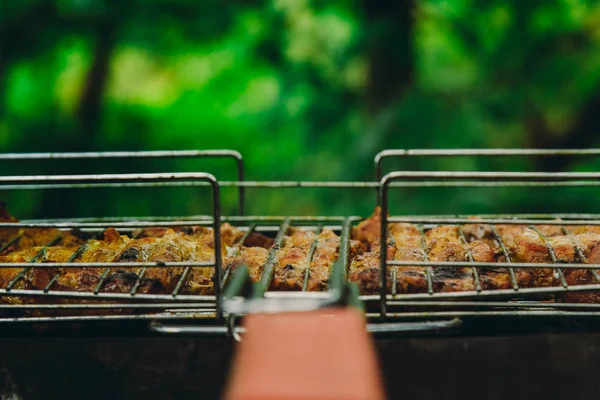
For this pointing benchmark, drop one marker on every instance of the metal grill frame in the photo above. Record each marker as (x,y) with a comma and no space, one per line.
(390,305)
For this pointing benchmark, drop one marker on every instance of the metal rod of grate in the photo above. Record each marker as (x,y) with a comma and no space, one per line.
(579,252)
(470,258)
(33,260)
(232,154)
(458,179)
(236,251)
(311,253)
(552,254)
(506,178)
(64,181)
(403,153)
(428,269)
(506,254)
(267,276)
(74,256)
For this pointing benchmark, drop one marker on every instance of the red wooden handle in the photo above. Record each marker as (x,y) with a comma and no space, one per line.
(325,354)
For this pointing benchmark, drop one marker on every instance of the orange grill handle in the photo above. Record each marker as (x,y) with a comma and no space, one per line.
(324,354)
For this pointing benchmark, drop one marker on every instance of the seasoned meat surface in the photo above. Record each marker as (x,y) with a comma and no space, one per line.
(292,260)
(326,253)
(304,258)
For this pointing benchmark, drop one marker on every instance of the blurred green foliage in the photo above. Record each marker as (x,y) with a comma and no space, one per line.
(305,90)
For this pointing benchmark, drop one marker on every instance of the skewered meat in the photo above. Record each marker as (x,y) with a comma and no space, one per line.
(530,247)
(408,247)
(443,243)
(368,230)
(253,257)
(292,260)
(364,268)
(191,244)
(326,252)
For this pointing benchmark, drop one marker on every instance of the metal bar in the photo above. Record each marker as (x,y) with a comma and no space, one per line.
(345,235)
(311,253)
(520,313)
(183,277)
(500,293)
(207,220)
(105,296)
(138,281)
(338,275)
(506,177)
(76,254)
(491,304)
(114,264)
(505,252)
(552,254)
(457,264)
(142,154)
(236,251)
(428,269)
(383,194)
(265,280)
(395,329)
(101,280)
(394,280)
(470,259)
(477,152)
(24,271)
(476,264)
(497,221)
(367,298)
(10,242)
(394,272)
(299,184)
(75,306)
(103,318)
(121,154)
(579,251)
(222,330)
(288,184)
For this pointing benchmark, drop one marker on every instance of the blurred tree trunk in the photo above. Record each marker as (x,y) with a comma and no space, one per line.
(390,52)
(583,134)
(390,26)
(90,106)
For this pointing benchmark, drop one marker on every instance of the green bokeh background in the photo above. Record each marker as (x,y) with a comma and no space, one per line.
(305,90)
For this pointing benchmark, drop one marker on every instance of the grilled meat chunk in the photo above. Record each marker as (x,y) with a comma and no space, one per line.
(368,230)
(292,260)
(583,247)
(408,245)
(444,244)
(326,253)
(529,247)
(254,258)
(194,244)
